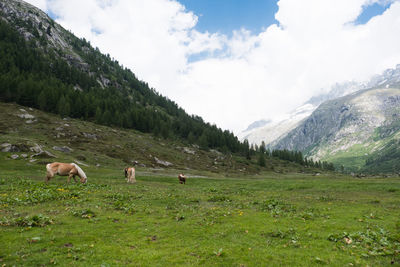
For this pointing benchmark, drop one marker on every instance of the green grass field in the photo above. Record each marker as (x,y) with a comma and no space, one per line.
(233,214)
(264,220)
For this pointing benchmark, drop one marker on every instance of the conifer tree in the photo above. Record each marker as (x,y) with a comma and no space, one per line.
(191,138)
(262,147)
(203,142)
(107,118)
(99,115)
(63,107)
(261,160)
(42,100)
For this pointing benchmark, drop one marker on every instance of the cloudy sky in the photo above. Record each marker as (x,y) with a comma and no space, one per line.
(236,61)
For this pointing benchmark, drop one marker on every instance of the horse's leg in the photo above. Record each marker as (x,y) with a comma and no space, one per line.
(73,176)
(69,177)
(49,175)
(131,178)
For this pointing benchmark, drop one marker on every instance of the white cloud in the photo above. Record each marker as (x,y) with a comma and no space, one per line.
(245,77)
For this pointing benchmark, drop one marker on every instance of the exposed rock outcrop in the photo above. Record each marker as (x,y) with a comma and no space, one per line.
(64,149)
(163,162)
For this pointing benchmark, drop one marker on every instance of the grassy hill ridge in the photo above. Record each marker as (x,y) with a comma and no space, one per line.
(44,66)
(96,145)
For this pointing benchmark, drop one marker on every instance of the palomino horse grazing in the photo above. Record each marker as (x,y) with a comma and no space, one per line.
(182,178)
(130,174)
(65,169)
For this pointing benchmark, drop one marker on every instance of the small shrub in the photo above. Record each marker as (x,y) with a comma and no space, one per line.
(27,221)
(80,157)
(212,190)
(376,242)
(277,207)
(118,197)
(290,233)
(179,217)
(309,214)
(124,206)
(86,214)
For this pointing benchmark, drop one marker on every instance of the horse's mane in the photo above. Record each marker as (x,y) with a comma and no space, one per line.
(80,171)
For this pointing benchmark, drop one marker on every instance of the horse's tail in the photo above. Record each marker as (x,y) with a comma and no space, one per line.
(48,169)
(80,171)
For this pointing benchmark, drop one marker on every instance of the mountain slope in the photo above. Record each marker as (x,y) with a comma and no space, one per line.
(350,130)
(32,137)
(273,132)
(46,67)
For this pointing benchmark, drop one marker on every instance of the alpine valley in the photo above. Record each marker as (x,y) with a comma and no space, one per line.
(356,126)
(54,78)
(62,100)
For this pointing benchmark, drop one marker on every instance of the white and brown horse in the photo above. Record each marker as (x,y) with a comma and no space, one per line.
(130,174)
(182,178)
(65,169)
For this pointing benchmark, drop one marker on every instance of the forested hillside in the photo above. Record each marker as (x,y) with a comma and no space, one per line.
(46,67)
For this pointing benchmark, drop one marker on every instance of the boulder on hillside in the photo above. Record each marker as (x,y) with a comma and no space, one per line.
(43,154)
(189,151)
(36,148)
(90,136)
(6,147)
(162,162)
(64,149)
(26,116)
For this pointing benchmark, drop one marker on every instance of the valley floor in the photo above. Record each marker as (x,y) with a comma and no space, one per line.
(264,220)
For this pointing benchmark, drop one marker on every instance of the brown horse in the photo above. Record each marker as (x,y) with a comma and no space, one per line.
(182,178)
(130,174)
(65,169)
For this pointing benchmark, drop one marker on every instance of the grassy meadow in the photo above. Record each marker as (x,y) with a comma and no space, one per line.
(233,214)
(262,220)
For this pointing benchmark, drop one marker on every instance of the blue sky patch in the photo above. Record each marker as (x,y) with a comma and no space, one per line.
(225,16)
(371,11)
